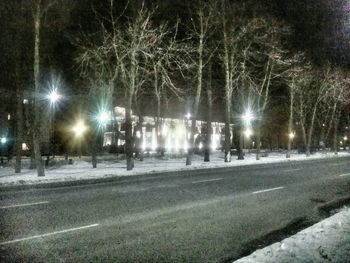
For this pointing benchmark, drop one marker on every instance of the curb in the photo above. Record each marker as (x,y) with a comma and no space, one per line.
(326,209)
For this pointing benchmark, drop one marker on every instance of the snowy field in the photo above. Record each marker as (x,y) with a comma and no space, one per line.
(326,241)
(110,166)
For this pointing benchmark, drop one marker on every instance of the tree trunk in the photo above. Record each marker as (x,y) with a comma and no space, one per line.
(227,130)
(19,129)
(128,138)
(228,88)
(335,136)
(28,114)
(309,138)
(198,95)
(258,139)
(37,119)
(209,127)
(142,138)
(240,144)
(191,142)
(290,122)
(158,97)
(94,149)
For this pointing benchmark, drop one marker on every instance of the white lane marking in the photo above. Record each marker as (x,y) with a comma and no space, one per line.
(47,234)
(292,170)
(268,190)
(337,164)
(27,204)
(343,175)
(209,180)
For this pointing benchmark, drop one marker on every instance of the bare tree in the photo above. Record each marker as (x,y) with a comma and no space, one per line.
(309,96)
(209,129)
(166,59)
(264,64)
(338,96)
(125,52)
(201,30)
(39,9)
(296,66)
(37,15)
(230,64)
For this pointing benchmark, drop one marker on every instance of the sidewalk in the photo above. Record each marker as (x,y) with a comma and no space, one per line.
(110,167)
(326,241)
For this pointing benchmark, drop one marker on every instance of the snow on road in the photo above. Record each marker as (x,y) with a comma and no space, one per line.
(326,241)
(81,169)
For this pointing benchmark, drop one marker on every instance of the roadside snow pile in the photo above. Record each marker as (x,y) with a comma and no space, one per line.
(110,166)
(326,241)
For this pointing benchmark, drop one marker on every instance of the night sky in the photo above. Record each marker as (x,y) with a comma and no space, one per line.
(320,28)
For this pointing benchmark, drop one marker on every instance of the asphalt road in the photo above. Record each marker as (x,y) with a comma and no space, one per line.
(206,216)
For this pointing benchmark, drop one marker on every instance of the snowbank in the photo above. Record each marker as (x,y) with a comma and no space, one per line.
(326,241)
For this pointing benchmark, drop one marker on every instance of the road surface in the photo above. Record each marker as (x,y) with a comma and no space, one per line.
(198,216)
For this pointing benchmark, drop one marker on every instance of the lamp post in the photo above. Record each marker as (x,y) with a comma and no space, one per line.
(188,143)
(245,131)
(53,97)
(102,118)
(247,117)
(3,141)
(291,137)
(79,129)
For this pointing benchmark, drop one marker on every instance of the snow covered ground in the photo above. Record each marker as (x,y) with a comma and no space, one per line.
(110,166)
(326,241)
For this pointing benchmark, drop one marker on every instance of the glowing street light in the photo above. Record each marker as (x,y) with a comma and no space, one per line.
(3,140)
(248,117)
(79,128)
(291,135)
(188,116)
(53,96)
(345,138)
(248,132)
(103,118)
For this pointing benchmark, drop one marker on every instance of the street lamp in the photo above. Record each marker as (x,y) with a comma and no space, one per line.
(247,117)
(53,97)
(103,118)
(248,132)
(291,135)
(188,142)
(3,141)
(79,129)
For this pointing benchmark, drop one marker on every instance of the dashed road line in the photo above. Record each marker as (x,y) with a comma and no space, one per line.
(292,170)
(48,234)
(343,175)
(21,205)
(268,190)
(337,164)
(209,180)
